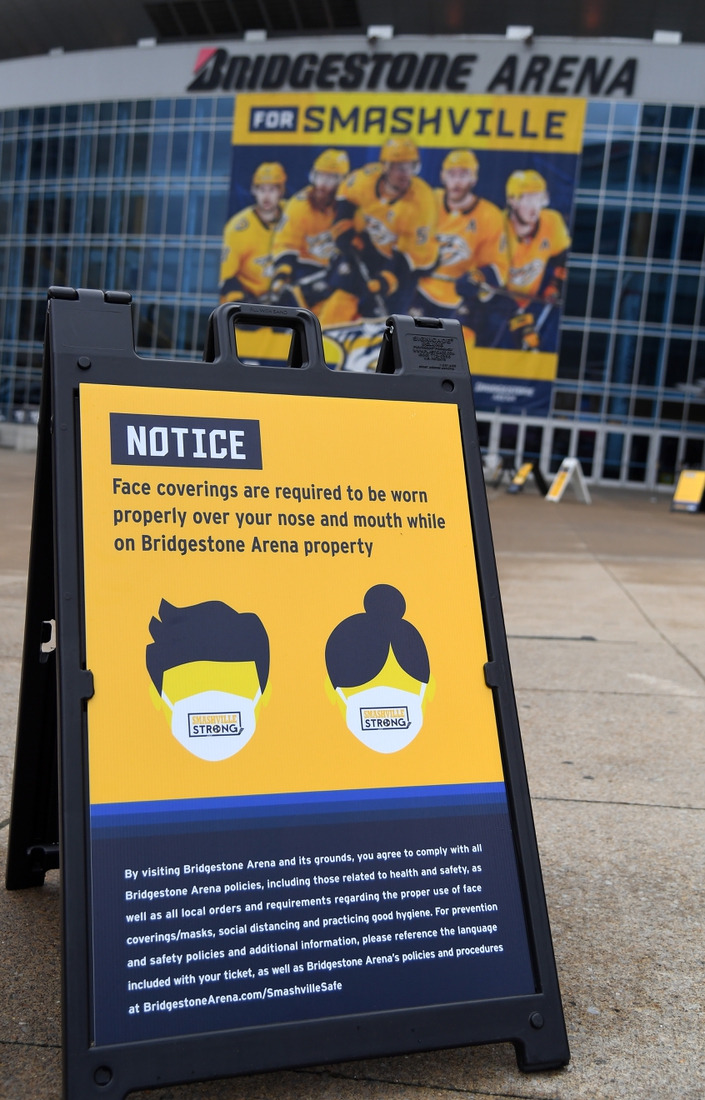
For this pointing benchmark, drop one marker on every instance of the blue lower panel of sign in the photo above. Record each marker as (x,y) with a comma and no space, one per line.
(513,396)
(302,906)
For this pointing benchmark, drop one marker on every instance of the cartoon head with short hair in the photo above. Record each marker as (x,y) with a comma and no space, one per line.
(209,666)
(378,667)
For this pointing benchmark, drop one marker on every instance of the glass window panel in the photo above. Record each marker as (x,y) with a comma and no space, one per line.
(124,112)
(657,300)
(677,363)
(55,116)
(203,318)
(21,159)
(131,270)
(194,213)
(191,270)
(596,357)
(696,413)
(170,269)
(674,169)
(140,150)
(211,270)
(569,358)
(182,108)
(638,457)
(611,231)
(102,155)
(533,437)
(560,446)
(33,206)
(204,107)
(681,118)
(25,326)
(653,115)
(612,464)
(85,153)
(65,213)
(160,147)
(626,114)
(61,266)
(80,219)
(222,153)
(99,213)
(72,113)
(508,440)
(6,161)
(136,212)
(701,118)
(106,112)
(68,157)
(618,406)
(4,214)
(585,450)
(117,205)
(174,214)
(217,209)
(88,112)
(155,212)
(18,212)
(631,295)
(39,116)
(638,233)
(672,410)
(665,235)
(697,171)
(650,360)
(584,229)
(564,400)
(643,408)
(685,300)
(77,261)
(95,268)
(623,358)
(179,152)
(150,269)
(184,336)
(165,327)
(145,325)
(120,156)
(111,262)
(598,113)
(143,110)
(200,153)
(35,159)
(224,106)
(603,293)
(693,454)
(576,291)
(693,238)
(619,163)
(52,165)
(591,403)
(647,166)
(28,265)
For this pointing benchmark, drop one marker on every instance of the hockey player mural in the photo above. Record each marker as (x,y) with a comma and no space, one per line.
(433,205)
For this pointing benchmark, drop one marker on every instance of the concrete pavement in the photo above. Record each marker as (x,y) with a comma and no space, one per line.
(605,609)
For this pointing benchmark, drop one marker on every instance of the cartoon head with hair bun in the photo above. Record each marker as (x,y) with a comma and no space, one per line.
(379,670)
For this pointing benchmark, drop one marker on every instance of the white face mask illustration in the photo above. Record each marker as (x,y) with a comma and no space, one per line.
(385,719)
(213,724)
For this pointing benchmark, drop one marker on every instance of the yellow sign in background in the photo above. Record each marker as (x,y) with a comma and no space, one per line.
(301,742)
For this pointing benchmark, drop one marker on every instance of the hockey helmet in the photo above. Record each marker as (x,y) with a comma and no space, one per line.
(332,161)
(399,150)
(525,183)
(269,172)
(461,158)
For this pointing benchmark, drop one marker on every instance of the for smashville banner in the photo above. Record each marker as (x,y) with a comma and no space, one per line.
(430,204)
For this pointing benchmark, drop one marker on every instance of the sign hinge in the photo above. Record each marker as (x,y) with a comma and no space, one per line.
(87,687)
(493,674)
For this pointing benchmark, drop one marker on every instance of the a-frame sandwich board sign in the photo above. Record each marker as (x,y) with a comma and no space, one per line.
(294,817)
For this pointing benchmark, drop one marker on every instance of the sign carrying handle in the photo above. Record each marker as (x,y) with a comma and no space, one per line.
(306,351)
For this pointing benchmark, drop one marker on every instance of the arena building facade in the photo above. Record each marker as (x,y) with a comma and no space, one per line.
(115,168)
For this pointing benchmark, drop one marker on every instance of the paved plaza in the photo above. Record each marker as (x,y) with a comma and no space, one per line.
(605,610)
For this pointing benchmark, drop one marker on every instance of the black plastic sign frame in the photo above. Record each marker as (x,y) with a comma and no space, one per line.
(90,342)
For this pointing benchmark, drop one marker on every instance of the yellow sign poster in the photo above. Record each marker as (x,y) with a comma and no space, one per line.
(270,603)
(689,491)
(358,206)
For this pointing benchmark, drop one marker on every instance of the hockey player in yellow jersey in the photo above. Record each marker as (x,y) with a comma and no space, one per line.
(538,243)
(247,239)
(303,243)
(384,228)
(472,246)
